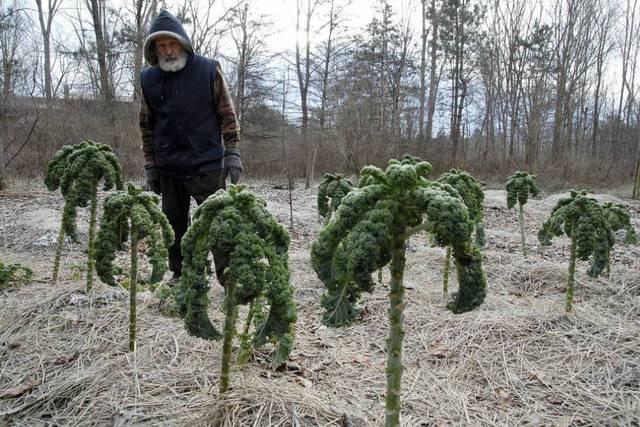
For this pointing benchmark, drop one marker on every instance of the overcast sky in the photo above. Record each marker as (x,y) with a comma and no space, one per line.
(283,15)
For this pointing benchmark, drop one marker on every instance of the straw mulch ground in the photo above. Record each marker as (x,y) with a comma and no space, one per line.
(518,360)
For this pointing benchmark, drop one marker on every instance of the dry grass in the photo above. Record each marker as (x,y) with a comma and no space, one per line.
(518,360)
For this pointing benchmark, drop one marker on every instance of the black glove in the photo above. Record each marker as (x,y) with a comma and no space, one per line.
(232,165)
(151,179)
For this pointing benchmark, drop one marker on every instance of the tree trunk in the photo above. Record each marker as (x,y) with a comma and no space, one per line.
(558,119)
(325,72)
(45,29)
(636,185)
(101,50)
(433,80)
(304,75)
(423,69)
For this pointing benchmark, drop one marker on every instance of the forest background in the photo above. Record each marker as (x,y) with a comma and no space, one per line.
(333,85)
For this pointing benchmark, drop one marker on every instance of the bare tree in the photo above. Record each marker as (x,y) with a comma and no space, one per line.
(460,22)
(627,45)
(423,68)
(303,72)
(604,23)
(249,35)
(434,75)
(46,20)
(13,29)
(144,11)
(573,57)
(205,29)
(97,9)
(328,52)
(303,56)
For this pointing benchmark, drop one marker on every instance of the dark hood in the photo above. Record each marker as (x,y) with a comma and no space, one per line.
(167,25)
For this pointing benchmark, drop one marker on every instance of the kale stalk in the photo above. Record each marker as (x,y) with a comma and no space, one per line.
(370,229)
(138,214)
(591,227)
(236,225)
(77,170)
(519,186)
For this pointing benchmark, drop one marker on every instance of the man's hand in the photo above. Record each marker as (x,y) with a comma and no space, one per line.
(152,179)
(232,165)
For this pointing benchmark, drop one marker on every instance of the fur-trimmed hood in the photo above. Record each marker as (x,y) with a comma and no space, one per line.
(165,25)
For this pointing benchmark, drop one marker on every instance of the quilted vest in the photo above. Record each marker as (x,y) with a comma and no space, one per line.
(186,124)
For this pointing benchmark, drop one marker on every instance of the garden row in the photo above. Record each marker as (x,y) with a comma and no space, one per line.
(366,228)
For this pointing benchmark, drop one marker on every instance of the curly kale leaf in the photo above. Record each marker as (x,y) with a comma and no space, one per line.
(358,240)
(132,211)
(236,225)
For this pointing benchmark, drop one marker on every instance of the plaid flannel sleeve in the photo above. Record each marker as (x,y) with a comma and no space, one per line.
(227,112)
(146,131)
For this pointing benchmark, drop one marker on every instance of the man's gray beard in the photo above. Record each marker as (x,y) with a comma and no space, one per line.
(174,65)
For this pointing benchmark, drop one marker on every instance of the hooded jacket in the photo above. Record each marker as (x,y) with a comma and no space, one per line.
(187,134)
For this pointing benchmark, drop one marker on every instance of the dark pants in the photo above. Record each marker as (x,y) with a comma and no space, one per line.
(176,199)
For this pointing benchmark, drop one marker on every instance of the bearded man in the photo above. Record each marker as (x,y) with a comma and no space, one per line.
(189,129)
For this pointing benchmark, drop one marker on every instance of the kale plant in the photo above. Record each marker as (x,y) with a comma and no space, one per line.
(236,225)
(77,170)
(330,193)
(618,219)
(519,186)
(591,227)
(14,273)
(370,229)
(470,190)
(137,214)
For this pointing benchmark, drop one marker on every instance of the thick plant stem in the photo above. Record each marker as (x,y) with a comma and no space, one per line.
(380,276)
(247,323)
(133,287)
(523,236)
(56,260)
(327,220)
(245,344)
(572,270)
(447,267)
(91,261)
(231,313)
(396,333)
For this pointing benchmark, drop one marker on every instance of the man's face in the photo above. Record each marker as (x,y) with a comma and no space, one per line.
(168,48)
(171,55)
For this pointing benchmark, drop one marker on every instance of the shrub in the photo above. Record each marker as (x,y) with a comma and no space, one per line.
(77,170)
(519,186)
(370,229)
(236,225)
(134,213)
